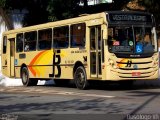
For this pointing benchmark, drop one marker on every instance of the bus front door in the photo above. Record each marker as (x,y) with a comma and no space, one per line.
(12,57)
(95,52)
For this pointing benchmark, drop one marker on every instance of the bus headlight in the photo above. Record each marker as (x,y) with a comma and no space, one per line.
(111,62)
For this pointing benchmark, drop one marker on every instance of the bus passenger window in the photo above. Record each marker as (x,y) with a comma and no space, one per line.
(61,37)
(19,42)
(78,32)
(30,39)
(44,39)
(4,44)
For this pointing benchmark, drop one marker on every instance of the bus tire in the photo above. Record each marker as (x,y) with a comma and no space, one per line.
(80,78)
(25,78)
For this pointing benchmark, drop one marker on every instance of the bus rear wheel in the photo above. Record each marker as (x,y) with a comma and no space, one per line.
(25,78)
(80,78)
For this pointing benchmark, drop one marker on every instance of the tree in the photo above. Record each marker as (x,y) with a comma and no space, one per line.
(59,11)
(119,4)
(152,6)
(4,15)
(41,11)
(37,13)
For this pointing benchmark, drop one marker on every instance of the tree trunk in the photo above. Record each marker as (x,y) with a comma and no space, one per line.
(7,19)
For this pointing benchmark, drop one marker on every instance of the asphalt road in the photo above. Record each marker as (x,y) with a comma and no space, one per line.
(103,101)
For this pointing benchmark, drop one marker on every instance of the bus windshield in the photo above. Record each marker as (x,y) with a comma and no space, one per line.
(132,39)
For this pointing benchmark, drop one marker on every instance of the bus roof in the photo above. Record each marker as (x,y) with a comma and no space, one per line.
(57,23)
(128,12)
(87,17)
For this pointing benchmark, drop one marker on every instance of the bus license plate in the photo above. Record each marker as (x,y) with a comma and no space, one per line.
(136,74)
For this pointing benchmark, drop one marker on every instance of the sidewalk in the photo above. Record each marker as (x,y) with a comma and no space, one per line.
(5,81)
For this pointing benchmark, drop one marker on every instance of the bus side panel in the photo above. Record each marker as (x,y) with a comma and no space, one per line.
(6,61)
(4,65)
(39,63)
(68,59)
(17,72)
(19,60)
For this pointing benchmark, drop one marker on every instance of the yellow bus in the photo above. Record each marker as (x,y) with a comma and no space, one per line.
(107,46)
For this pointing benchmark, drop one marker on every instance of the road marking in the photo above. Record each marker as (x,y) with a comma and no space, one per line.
(84,94)
(30,90)
(95,95)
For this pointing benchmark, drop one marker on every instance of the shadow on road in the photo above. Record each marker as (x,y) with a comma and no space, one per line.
(137,85)
(73,106)
(109,85)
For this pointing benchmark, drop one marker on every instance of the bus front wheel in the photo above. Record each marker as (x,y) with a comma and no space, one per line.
(25,78)
(80,78)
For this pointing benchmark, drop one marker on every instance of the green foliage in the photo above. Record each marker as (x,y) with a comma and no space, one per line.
(2,3)
(37,12)
(119,4)
(10,4)
(152,6)
(61,9)
(41,11)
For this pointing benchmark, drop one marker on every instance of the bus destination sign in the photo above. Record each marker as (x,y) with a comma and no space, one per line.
(130,17)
